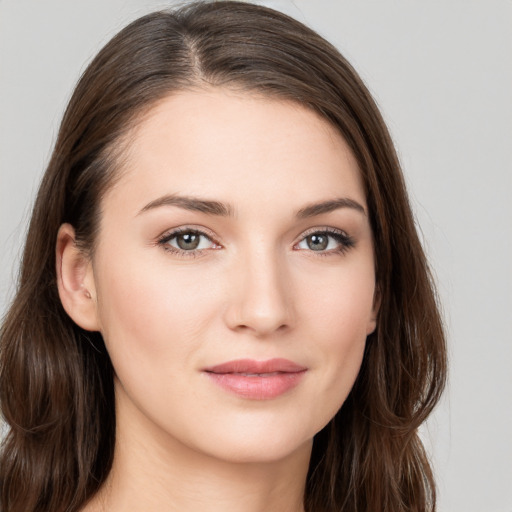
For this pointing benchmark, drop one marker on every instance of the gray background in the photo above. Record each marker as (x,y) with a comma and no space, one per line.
(442,74)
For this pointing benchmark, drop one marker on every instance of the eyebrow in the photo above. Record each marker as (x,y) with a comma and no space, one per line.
(329,206)
(225,210)
(191,203)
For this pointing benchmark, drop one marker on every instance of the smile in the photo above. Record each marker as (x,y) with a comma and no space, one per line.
(257,380)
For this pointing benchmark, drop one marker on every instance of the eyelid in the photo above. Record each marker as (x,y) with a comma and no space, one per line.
(201,230)
(169,234)
(345,241)
(322,229)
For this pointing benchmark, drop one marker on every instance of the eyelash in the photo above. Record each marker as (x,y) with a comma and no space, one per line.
(344,241)
(167,237)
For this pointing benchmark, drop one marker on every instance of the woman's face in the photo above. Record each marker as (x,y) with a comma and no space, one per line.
(234,275)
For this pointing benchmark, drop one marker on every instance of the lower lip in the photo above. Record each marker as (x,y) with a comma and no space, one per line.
(261,387)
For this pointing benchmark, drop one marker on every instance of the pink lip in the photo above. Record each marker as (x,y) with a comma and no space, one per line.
(257,380)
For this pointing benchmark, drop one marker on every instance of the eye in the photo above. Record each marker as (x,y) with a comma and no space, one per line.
(326,241)
(187,241)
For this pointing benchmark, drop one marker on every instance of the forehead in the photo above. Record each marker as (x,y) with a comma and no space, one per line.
(236,147)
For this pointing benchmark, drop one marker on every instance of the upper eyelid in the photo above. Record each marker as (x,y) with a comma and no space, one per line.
(323,229)
(210,234)
(170,233)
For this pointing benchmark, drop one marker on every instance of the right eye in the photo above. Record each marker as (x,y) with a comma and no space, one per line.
(189,241)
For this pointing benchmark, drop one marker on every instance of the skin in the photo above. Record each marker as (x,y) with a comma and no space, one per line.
(255,288)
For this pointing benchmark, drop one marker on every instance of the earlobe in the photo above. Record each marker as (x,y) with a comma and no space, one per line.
(75,280)
(372,324)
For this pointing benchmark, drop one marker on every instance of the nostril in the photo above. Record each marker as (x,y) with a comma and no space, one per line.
(260,300)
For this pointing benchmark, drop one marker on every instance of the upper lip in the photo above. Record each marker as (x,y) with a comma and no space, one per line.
(257,367)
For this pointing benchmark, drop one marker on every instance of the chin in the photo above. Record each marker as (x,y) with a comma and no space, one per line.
(257,443)
(262,451)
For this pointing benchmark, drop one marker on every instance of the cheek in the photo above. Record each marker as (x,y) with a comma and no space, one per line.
(338,315)
(340,326)
(340,301)
(149,315)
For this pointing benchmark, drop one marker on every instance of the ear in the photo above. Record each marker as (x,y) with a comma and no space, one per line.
(372,323)
(75,280)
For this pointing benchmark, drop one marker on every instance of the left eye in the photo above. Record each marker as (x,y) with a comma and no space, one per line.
(323,241)
(189,241)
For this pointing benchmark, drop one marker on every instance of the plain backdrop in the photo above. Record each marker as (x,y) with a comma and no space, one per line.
(441,72)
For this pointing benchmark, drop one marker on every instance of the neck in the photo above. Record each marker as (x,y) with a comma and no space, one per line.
(154,473)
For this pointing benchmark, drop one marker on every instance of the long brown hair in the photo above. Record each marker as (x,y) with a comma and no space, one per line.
(56,380)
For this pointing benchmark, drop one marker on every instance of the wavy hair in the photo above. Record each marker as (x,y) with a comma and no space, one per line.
(56,380)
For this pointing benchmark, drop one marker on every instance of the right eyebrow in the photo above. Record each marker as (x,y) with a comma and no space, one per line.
(195,204)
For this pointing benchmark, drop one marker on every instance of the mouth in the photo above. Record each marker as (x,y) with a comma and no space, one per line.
(257,380)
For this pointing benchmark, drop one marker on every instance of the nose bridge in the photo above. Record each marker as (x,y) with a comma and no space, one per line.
(261,302)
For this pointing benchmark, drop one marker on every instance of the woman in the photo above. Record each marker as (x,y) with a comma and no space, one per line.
(223,302)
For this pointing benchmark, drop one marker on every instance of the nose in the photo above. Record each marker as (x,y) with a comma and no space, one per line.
(261,296)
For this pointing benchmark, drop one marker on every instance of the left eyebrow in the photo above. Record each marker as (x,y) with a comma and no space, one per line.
(329,206)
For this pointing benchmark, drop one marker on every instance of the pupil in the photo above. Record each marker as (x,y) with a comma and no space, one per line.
(188,241)
(317,242)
